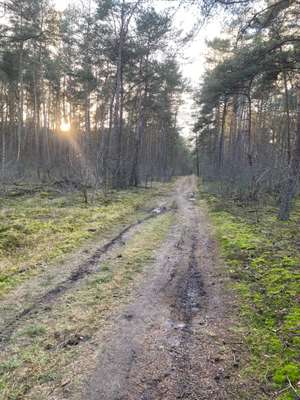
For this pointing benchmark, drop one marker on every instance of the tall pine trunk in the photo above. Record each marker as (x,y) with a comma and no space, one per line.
(289,188)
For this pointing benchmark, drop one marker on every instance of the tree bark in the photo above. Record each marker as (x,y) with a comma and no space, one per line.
(221,140)
(21,102)
(289,189)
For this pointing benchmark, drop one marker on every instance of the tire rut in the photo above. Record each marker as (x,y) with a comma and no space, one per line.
(186,307)
(189,300)
(89,267)
(161,334)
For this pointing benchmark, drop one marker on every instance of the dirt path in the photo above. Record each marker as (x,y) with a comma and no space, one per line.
(165,335)
(171,341)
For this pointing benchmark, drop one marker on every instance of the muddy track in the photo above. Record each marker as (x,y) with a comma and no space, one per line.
(187,306)
(159,332)
(88,267)
(163,345)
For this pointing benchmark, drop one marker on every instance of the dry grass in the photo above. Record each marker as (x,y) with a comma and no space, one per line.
(39,357)
(42,227)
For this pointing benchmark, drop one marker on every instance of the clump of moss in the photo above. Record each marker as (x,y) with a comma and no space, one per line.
(262,257)
(287,372)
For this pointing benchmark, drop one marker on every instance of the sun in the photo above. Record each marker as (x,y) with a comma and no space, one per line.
(65,126)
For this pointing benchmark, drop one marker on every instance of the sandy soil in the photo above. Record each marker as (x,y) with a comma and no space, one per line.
(171,341)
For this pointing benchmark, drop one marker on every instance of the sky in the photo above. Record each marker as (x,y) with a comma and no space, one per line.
(192,57)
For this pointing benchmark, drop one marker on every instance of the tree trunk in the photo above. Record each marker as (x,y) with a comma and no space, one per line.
(21,102)
(221,140)
(288,119)
(117,130)
(290,187)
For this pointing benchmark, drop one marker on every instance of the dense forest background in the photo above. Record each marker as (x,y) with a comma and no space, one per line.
(89,95)
(248,106)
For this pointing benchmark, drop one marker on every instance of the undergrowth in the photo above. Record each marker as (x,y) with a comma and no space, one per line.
(41,226)
(262,257)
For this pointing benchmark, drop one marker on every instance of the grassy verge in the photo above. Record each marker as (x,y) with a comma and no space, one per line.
(42,226)
(40,356)
(262,257)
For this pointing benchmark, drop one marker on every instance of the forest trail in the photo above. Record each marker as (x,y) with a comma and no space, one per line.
(170,341)
(143,315)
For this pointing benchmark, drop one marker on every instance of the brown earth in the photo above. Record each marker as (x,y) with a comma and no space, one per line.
(173,340)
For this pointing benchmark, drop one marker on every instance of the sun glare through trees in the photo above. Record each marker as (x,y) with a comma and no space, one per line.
(65,126)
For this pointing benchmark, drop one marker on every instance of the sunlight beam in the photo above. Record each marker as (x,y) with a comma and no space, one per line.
(65,126)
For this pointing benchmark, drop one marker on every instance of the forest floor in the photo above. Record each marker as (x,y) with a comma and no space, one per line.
(140,306)
(262,256)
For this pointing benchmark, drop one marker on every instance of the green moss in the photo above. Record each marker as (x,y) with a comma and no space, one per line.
(292,319)
(289,371)
(274,344)
(262,257)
